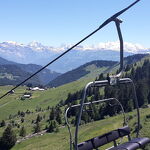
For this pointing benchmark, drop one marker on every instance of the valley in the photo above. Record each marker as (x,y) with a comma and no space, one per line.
(34,114)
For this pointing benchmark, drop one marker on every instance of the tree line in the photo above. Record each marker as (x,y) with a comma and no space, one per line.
(124,93)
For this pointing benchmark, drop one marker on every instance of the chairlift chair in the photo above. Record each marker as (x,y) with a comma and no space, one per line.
(112,136)
(97,144)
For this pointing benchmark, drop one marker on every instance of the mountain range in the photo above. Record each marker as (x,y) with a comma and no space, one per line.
(94,68)
(12,73)
(42,55)
(81,71)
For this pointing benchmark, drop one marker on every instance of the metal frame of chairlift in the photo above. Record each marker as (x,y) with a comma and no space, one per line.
(90,103)
(112,81)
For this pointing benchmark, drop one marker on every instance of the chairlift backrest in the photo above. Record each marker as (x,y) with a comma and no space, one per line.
(112,136)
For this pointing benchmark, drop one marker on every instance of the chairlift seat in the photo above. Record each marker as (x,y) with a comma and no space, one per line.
(87,145)
(141,141)
(124,131)
(103,139)
(133,144)
(99,141)
(111,136)
(126,146)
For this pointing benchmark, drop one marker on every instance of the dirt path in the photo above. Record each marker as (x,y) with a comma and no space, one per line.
(31,135)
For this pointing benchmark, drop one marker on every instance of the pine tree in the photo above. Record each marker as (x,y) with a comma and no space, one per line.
(52,114)
(140,95)
(22,120)
(51,127)
(58,118)
(8,139)
(22,132)
(37,128)
(2,124)
(55,125)
(38,119)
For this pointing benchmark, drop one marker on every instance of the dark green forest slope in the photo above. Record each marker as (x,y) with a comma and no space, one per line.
(139,72)
(12,73)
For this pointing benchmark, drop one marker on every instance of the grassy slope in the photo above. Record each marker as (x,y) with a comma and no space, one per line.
(12,103)
(57,141)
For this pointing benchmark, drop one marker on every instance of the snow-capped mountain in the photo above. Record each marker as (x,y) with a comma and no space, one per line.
(128,47)
(37,53)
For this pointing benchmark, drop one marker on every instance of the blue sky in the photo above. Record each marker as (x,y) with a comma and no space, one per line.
(56,22)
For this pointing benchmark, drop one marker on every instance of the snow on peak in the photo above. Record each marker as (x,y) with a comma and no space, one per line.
(135,48)
(115,46)
(128,47)
(12,43)
(35,44)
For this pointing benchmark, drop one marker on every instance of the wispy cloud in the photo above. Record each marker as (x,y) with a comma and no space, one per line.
(129,47)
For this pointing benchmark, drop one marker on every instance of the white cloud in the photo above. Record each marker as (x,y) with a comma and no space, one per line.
(128,47)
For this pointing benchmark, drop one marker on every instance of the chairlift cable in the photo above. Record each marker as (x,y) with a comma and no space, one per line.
(112,18)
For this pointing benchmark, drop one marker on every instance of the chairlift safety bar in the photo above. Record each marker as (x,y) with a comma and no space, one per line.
(101,84)
(90,103)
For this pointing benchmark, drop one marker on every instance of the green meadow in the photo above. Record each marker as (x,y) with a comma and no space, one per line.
(60,140)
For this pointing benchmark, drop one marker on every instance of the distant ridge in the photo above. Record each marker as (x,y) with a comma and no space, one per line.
(79,72)
(12,73)
(24,53)
(82,71)
(5,62)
